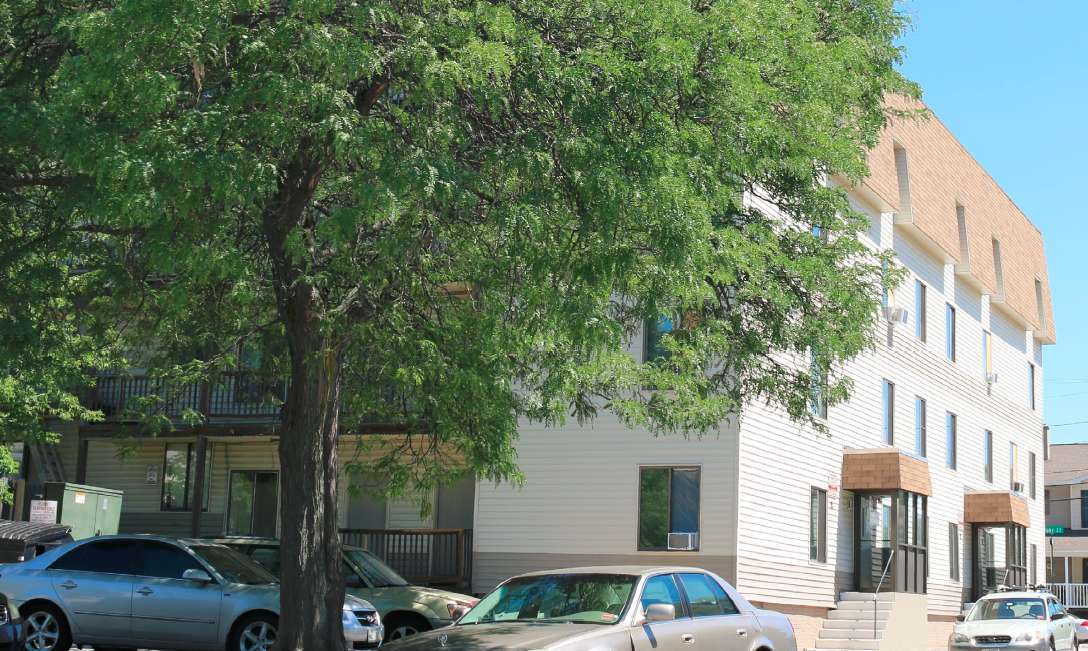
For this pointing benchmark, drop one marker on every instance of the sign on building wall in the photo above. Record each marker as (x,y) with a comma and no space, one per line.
(43,511)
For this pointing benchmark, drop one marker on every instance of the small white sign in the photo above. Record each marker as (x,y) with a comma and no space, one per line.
(43,511)
(81,498)
(152,476)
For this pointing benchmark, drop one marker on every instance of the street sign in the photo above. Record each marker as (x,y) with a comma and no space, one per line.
(1054,530)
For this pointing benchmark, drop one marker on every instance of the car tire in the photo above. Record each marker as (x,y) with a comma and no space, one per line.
(254,632)
(46,628)
(401,625)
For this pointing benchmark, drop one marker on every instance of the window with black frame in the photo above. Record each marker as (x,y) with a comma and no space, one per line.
(668,513)
(179,477)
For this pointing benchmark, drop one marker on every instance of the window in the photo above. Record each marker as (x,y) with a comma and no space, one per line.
(889,412)
(920,310)
(106,556)
(1039,306)
(950,331)
(1014,466)
(1083,509)
(950,440)
(1031,475)
(655,330)
(1031,386)
(953,551)
(988,456)
(818,401)
(920,426)
(179,477)
(662,590)
(253,503)
(987,356)
(817,526)
(164,561)
(668,503)
(1035,565)
(706,597)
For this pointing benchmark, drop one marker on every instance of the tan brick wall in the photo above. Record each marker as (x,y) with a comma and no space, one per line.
(995,506)
(885,469)
(943,174)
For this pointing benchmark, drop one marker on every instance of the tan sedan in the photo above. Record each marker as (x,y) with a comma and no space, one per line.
(613,609)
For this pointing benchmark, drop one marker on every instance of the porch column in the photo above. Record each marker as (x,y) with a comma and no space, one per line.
(1068,571)
(198,486)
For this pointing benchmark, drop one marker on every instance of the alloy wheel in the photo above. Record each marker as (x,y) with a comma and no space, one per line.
(257,636)
(402,631)
(44,632)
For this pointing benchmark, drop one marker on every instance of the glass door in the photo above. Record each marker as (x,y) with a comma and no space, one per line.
(253,503)
(891,552)
(874,550)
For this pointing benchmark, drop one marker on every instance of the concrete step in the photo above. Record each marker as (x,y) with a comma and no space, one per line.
(858,615)
(867,596)
(864,645)
(850,634)
(856,623)
(865,605)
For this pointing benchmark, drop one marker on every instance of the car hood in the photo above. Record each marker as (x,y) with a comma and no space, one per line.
(1011,627)
(498,636)
(414,593)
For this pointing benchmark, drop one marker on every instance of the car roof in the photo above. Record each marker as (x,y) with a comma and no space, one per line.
(256,540)
(635,570)
(187,542)
(1019,594)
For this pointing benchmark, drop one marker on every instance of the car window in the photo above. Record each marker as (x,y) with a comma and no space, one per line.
(662,590)
(163,560)
(105,556)
(267,557)
(233,565)
(372,570)
(703,599)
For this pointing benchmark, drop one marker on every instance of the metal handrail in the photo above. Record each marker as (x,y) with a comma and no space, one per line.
(880,584)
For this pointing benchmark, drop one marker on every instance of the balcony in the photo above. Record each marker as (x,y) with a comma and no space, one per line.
(436,557)
(236,395)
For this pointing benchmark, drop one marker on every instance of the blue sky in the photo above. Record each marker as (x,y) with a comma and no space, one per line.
(1011,82)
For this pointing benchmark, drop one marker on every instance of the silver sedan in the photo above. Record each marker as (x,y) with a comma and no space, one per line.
(612,609)
(123,592)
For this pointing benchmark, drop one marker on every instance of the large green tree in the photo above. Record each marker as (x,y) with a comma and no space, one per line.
(444,214)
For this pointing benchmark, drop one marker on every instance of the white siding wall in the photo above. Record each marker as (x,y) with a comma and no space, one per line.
(780,461)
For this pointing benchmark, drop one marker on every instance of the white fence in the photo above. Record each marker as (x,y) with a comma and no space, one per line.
(1072,595)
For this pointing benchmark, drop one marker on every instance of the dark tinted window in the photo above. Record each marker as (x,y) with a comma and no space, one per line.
(107,556)
(707,599)
(267,557)
(165,561)
(662,590)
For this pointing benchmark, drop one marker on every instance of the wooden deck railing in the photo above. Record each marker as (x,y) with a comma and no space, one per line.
(1072,595)
(425,556)
(236,394)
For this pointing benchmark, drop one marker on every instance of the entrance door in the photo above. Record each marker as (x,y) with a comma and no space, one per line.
(874,542)
(987,574)
(253,503)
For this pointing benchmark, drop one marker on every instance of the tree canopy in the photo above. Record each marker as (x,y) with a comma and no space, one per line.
(444,214)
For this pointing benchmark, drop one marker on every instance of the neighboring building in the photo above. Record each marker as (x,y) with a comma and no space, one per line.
(1066,493)
(934,464)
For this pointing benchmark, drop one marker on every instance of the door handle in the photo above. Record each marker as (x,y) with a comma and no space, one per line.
(743,632)
(69,585)
(687,638)
(145,591)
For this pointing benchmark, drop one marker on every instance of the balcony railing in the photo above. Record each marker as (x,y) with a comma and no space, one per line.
(236,394)
(1072,595)
(440,557)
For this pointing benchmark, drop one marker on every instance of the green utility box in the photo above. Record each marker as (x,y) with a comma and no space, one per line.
(88,510)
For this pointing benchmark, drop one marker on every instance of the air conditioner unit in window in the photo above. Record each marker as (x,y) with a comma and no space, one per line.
(991,378)
(683,542)
(1018,487)
(895,314)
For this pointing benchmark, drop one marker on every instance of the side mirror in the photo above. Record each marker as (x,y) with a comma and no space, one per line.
(961,617)
(660,613)
(194,574)
(1056,616)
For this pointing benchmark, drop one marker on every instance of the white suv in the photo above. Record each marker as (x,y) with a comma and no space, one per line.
(1026,621)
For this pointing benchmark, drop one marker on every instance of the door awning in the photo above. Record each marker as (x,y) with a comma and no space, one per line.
(885,469)
(995,507)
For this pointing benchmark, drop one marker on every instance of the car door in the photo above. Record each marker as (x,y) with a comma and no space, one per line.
(1069,626)
(94,585)
(169,609)
(718,623)
(1058,624)
(675,635)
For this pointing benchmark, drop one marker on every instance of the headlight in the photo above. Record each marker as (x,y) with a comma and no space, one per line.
(959,638)
(459,608)
(1030,636)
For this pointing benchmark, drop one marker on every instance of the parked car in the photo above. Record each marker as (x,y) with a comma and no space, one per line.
(1082,631)
(405,609)
(124,592)
(22,541)
(12,629)
(1027,620)
(613,609)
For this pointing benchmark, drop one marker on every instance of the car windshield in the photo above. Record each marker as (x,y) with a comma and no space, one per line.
(373,570)
(234,567)
(569,598)
(1008,608)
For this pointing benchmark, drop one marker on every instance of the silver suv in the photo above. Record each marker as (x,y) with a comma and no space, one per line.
(125,592)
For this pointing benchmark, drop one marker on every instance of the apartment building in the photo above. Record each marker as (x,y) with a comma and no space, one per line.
(1066,495)
(927,483)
